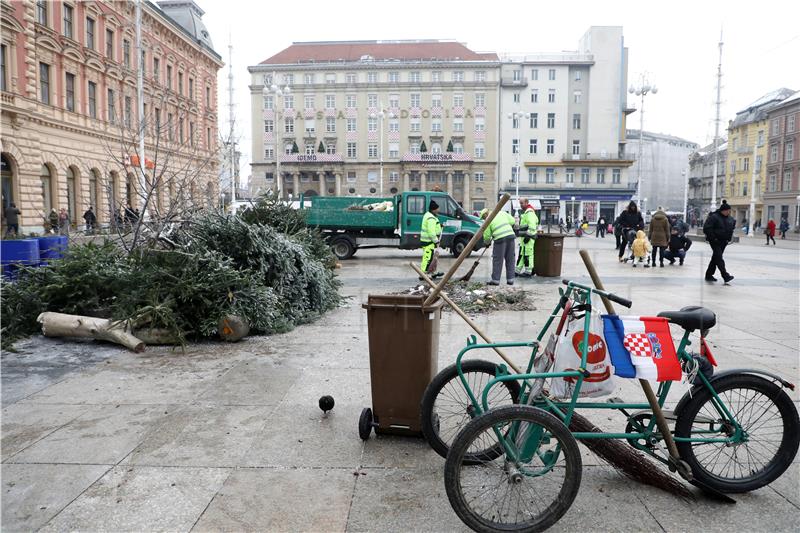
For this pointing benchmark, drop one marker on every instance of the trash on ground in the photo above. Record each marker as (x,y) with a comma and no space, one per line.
(474,297)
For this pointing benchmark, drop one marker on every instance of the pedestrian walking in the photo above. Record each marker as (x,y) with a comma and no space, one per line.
(11,214)
(718,230)
(678,246)
(641,248)
(501,232)
(52,219)
(658,233)
(601,228)
(629,220)
(528,226)
(63,222)
(90,219)
(617,232)
(429,238)
(784,227)
(770,232)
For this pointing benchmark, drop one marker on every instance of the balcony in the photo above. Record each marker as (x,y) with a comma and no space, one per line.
(592,157)
(506,81)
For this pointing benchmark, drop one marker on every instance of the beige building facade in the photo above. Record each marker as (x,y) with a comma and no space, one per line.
(69,107)
(373,118)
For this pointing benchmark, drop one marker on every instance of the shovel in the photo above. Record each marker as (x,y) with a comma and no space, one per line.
(471,271)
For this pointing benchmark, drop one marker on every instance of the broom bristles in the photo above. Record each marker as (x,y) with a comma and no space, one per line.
(628,461)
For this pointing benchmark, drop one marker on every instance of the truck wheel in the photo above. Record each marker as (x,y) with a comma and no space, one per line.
(458,246)
(343,248)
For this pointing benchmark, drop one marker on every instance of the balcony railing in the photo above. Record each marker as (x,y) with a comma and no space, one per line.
(595,156)
(506,81)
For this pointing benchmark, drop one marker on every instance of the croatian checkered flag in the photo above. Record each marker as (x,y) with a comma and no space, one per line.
(330,113)
(436,111)
(458,111)
(351,136)
(269,114)
(309,112)
(480,135)
(414,111)
(480,111)
(269,137)
(641,347)
(372,135)
(394,135)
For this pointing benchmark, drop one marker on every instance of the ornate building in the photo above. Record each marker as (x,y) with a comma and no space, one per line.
(781,200)
(69,105)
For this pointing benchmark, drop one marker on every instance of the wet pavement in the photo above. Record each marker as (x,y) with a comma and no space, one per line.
(229,437)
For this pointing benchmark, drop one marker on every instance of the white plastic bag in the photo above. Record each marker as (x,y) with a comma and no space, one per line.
(568,357)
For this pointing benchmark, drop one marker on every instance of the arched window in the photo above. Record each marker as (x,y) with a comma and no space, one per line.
(7,173)
(436,148)
(47,193)
(72,201)
(458,148)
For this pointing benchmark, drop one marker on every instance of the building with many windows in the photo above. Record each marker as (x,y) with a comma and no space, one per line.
(69,105)
(782,191)
(701,172)
(376,118)
(747,149)
(562,127)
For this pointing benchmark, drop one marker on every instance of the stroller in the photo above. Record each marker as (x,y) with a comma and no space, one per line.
(630,235)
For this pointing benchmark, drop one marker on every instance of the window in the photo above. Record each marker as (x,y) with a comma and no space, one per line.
(350,77)
(414,125)
(746,166)
(41,12)
(330,147)
(480,123)
(372,100)
(551,146)
(394,177)
(458,148)
(308,79)
(3,74)
(601,176)
(44,83)
(534,96)
(180,83)
(351,124)
(576,121)
(458,76)
(550,175)
(616,175)
(436,100)
(436,125)
(330,101)
(92,99)
(532,175)
(414,147)
(534,120)
(515,122)
(394,150)
(758,163)
(309,148)
(570,175)
(535,74)
(126,53)
(157,74)
(350,101)
(330,125)
(480,176)
(351,150)
(70,90)
(288,102)
(516,75)
(372,124)
(458,125)
(351,176)
(577,96)
(515,146)
(773,153)
(551,75)
(733,167)
(69,13)
(191,87)
(268,101)
(789,151)
(170,134)
(436,76)
(169,79)
(394,77)
(480,152)
(514,174)
(372,150)
(787,179)
(90,33)
(578,75)
(480,100)
(191,133)
(372,77)
(128,111)
(772,183)
(516,98)
(308,101)
(288,79)
(288,125)
(584,175)
(761,137)
(111,107)
(480,76)
(414,99)
(269,126)
(287,148)
(551,120)
(394,124)
(180,130)
(394,100)
(413,77)
(776,126)
(533,146)
(576,147)
(551,96)
(789,124)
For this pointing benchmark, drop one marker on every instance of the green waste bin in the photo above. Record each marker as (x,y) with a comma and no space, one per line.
(547,254)
(403,359)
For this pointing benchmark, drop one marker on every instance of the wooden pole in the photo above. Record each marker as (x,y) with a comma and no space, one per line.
(469,322)
(661,422)
(467,250)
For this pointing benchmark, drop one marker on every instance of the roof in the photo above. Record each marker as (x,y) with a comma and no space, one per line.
(353,51)
(758,109)
(188,17)
(634,134)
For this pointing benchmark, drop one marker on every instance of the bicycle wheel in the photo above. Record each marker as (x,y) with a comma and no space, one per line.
(763,410)
(446,407)
(506,494)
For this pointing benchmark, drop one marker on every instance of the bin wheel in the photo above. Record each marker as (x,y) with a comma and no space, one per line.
(365,423)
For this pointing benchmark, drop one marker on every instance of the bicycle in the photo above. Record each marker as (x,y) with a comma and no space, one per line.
(736,430)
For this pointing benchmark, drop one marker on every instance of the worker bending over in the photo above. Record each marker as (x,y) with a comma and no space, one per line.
(501,231)
(528,225)
(429,237)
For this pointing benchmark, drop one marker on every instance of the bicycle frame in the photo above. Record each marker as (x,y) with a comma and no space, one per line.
(564,410)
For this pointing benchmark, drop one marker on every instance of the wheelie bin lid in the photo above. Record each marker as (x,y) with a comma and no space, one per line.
(401,301)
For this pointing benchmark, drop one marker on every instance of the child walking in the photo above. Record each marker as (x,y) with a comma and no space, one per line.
(641,249)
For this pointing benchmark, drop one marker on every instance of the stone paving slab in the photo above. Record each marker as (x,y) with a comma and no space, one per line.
(23,425)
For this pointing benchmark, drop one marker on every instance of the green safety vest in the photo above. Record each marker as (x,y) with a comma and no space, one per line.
(530,220)
(501,226)
(431,228)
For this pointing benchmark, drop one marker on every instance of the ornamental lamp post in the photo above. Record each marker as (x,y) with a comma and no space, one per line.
(642,90)
(279,93)
(518,116)
(382,114)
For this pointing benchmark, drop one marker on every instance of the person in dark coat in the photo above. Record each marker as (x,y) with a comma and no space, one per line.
(630,220)
(770,231)
(90,219)
(11,214)
(784,227)
(658,233)
(678,246)
(718,230)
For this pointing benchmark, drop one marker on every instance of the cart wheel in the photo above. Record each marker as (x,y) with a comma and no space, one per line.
(640,419)
(365,423)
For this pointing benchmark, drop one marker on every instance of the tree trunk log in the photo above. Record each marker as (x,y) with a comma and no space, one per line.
(62,325)
(233,328)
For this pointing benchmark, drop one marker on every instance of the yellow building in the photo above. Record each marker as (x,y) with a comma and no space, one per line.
(747,150)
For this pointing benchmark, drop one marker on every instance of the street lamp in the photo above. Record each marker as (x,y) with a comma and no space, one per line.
(279,93)
(518,116)
(572,200)
(642,90)
(381,115)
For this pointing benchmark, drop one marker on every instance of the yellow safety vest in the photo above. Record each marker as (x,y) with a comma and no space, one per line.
(501,226)
(431,228)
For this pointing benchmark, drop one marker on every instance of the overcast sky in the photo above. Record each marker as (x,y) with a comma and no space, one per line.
(674,42)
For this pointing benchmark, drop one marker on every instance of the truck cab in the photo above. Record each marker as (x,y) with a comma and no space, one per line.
(458,227)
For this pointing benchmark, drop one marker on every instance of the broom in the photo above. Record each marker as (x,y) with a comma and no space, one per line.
(624,458)
(471,271)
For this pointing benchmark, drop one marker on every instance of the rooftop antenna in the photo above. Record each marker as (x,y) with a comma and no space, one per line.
(716,126)
(231,142)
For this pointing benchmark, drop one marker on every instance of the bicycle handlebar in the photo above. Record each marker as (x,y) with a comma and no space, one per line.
(613,297)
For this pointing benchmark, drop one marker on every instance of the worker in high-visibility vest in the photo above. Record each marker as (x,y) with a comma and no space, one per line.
(501,232)
(429,238)
(528,225)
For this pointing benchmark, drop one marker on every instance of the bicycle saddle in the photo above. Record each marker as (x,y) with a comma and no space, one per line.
(691,318)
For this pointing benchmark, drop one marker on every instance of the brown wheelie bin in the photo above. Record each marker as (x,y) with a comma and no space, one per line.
(547,254)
